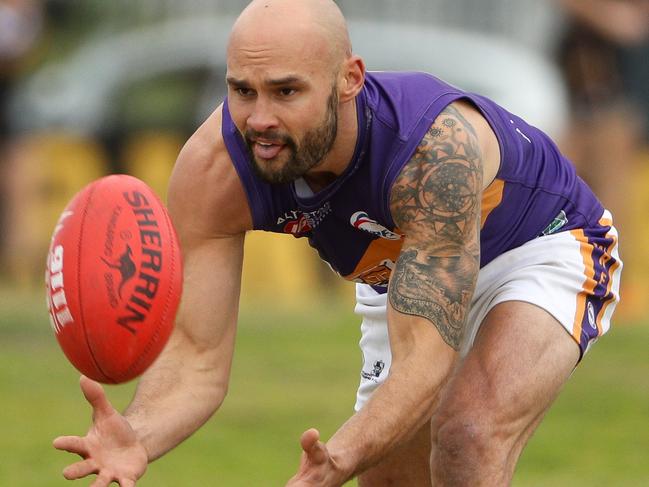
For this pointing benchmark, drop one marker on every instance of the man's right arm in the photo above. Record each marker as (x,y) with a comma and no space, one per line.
(189,380)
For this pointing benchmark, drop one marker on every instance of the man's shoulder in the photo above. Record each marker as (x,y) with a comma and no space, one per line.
(419,84)
(405,101)
(205,192)
(205,147)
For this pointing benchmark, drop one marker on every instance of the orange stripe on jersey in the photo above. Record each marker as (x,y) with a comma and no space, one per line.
(380,256)
(605,222)
(491,198)
(589,284)
(377,262)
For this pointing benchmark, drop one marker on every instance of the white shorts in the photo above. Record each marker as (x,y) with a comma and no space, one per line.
(573,275)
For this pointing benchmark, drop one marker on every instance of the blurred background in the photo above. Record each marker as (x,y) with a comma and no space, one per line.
(90,87)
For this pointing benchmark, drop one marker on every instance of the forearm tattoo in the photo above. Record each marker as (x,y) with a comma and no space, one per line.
(435,200)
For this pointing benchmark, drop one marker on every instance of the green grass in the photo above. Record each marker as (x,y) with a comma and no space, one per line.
(297,370)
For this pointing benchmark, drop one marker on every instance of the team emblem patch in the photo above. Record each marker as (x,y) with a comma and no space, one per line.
(362,221)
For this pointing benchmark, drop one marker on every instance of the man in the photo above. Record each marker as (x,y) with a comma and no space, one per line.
(470,214)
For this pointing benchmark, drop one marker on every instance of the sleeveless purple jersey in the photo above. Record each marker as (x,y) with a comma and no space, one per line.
(536,190)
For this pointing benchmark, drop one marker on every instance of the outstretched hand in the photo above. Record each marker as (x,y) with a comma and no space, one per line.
(317,467)
(110,449)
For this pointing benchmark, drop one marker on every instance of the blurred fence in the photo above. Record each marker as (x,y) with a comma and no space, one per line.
(125,96)
(534,23)
(46,170)
(43,172)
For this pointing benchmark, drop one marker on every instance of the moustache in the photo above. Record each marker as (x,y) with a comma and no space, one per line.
(271,136)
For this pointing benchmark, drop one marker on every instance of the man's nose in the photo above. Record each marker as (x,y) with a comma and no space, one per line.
(262,118)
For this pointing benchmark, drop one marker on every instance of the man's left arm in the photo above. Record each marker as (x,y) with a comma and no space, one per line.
(435,201)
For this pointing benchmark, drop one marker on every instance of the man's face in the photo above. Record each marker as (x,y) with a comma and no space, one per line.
(289,157)
(286,107)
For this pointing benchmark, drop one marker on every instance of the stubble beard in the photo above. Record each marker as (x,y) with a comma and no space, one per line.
(316,144)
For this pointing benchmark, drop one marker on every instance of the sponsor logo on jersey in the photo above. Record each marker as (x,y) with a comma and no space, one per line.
(298,222)
(362,221)
(289,215)
(297,227)
(555,225)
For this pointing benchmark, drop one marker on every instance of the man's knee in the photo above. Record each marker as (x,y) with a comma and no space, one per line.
(465,444)
(461,437)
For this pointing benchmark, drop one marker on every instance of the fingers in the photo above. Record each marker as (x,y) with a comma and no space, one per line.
(102,480)
(309,438)
(96,396)
(315,450)
(80,469)
(89,466)
(72,444)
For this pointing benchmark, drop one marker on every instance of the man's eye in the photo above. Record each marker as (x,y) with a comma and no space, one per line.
(244,91)
(287,91)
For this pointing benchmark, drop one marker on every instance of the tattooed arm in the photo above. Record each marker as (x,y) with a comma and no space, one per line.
(435,200)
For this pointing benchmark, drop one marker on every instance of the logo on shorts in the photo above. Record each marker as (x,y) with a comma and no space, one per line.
(591,316)
(379,365)
(555,225)
(362,221)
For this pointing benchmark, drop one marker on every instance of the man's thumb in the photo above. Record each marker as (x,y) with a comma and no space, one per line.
(315,450)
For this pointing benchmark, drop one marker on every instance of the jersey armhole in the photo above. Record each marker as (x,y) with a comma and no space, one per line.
(257,200)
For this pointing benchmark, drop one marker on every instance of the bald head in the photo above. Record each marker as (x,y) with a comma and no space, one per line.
(292,81)
(317,27)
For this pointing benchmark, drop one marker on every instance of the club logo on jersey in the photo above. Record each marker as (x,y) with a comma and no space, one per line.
(362,221)
(378,275)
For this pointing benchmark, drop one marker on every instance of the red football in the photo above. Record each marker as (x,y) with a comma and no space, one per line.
(114,279)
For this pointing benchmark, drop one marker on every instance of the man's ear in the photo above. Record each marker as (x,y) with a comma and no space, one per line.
(353,78)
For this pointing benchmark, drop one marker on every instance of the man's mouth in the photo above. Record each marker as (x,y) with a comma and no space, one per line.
(266,150)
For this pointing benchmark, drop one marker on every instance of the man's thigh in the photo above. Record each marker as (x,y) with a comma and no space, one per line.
(498,394)
(501,389)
